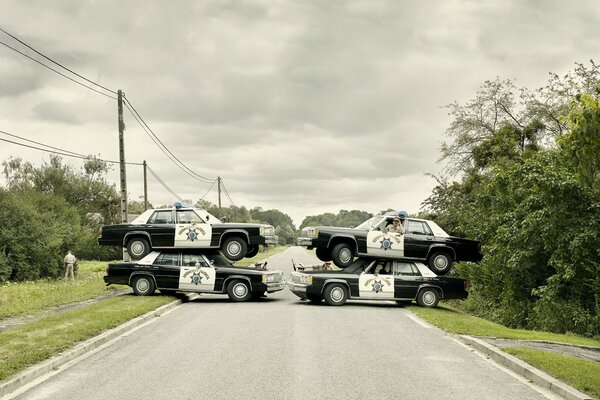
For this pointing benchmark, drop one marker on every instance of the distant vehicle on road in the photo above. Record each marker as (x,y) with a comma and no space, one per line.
(377,279)
(201,271)
(186,227)
(423,241)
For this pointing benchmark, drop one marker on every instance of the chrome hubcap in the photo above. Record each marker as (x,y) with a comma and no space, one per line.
(429,298)
(345,255)
(337,294)
(240,290)
(137,248)
(234,248)
(441,262)
(142,285)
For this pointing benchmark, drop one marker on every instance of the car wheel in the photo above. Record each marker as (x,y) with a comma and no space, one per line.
(143,285)
(342,255)
(137,248)
(314,299)
(428,297)
(440,263)
(323,254)
(239,291)
(235,248)
(335,294)
(252,251)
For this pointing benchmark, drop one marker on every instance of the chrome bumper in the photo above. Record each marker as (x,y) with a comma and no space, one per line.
(297,288)
(275,286)
(271,239)
(304,241)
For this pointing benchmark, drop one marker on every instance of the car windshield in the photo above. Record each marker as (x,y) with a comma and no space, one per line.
(370,223)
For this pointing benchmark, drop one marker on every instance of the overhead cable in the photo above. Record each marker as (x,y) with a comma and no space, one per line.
(164,184)
(57,63)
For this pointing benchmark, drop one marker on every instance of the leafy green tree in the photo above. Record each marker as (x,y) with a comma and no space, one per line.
(343,218)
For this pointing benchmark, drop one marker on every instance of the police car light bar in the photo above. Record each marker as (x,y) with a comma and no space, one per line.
(402,214)
(178,204)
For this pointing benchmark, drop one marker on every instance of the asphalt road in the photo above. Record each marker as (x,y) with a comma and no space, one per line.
(280,348)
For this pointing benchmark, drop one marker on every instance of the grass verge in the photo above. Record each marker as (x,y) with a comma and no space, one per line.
(583,375)
(455,321)
(29,344)
(30,297)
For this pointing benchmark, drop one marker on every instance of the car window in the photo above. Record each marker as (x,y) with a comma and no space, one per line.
(194,260)
(418,228)
(169,259)
(406,269)
(188,217)
(161,217)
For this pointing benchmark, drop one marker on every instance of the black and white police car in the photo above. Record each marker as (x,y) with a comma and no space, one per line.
(377,279)
(186,227)
(423,240)
(200,271)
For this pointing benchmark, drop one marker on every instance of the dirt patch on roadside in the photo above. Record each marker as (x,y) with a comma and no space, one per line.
(584,352)
(11,322)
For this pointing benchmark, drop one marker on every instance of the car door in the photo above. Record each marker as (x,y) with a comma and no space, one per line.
(377,282)
(191,230)
(161,228)
(196,274)
(406,280)
(417,239)
(166,267)
(380,242)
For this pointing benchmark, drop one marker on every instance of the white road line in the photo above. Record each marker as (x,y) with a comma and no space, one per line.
(418,320)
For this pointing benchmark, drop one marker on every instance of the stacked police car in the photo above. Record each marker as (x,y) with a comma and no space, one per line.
(390,264)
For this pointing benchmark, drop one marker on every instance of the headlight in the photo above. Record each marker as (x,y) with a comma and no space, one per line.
(268,278)
(261,231)
(310,232)
(306,279)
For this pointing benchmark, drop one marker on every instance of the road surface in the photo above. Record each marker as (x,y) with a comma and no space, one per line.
(280,348)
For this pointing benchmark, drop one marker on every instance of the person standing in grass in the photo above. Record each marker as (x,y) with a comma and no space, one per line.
(70,261)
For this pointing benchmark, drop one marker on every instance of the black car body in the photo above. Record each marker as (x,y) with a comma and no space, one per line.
(193,271)
(186,227)
(378,279)
(423,240)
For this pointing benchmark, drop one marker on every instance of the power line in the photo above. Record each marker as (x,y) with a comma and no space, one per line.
(57,63)
(164,184)
(211,186)
(58,151)
(162,146)
(58,72)
(227,193)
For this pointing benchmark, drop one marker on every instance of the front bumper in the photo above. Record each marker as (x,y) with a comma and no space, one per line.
(275,286)
(305,241)
(299,289)
(270,239)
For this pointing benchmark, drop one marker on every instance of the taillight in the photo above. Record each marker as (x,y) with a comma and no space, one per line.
(465,285)
(106,269)
(100,232)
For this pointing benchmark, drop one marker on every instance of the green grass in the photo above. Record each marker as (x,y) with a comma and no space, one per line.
(29,344)
(18,298)
(454,321)
(244,262)
(583,375)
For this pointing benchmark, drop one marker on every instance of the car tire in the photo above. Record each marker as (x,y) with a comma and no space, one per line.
(137,248)
(335,294)
(428,297)
(314,299)
(239,290)
(440,263)
(323,254)
(252,251)
(234,248)
(342,255)
(143,285)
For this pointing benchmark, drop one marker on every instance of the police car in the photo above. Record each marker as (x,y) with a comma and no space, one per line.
(423,240)
(201,271)
(377,279)
(186,227)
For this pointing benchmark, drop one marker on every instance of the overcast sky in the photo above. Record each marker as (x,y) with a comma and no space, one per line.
(304,106)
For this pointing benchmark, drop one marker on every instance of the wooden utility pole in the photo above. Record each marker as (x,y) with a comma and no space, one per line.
(145,188)
(219,190)
(122,158)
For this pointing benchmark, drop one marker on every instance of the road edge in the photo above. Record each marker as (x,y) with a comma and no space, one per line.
(529,372)
(35,371)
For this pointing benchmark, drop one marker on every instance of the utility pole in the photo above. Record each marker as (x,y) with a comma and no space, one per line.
(145,188)
(219,189)
(122,158)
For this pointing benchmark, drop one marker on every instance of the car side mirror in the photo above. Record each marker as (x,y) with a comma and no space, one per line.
(207,218)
